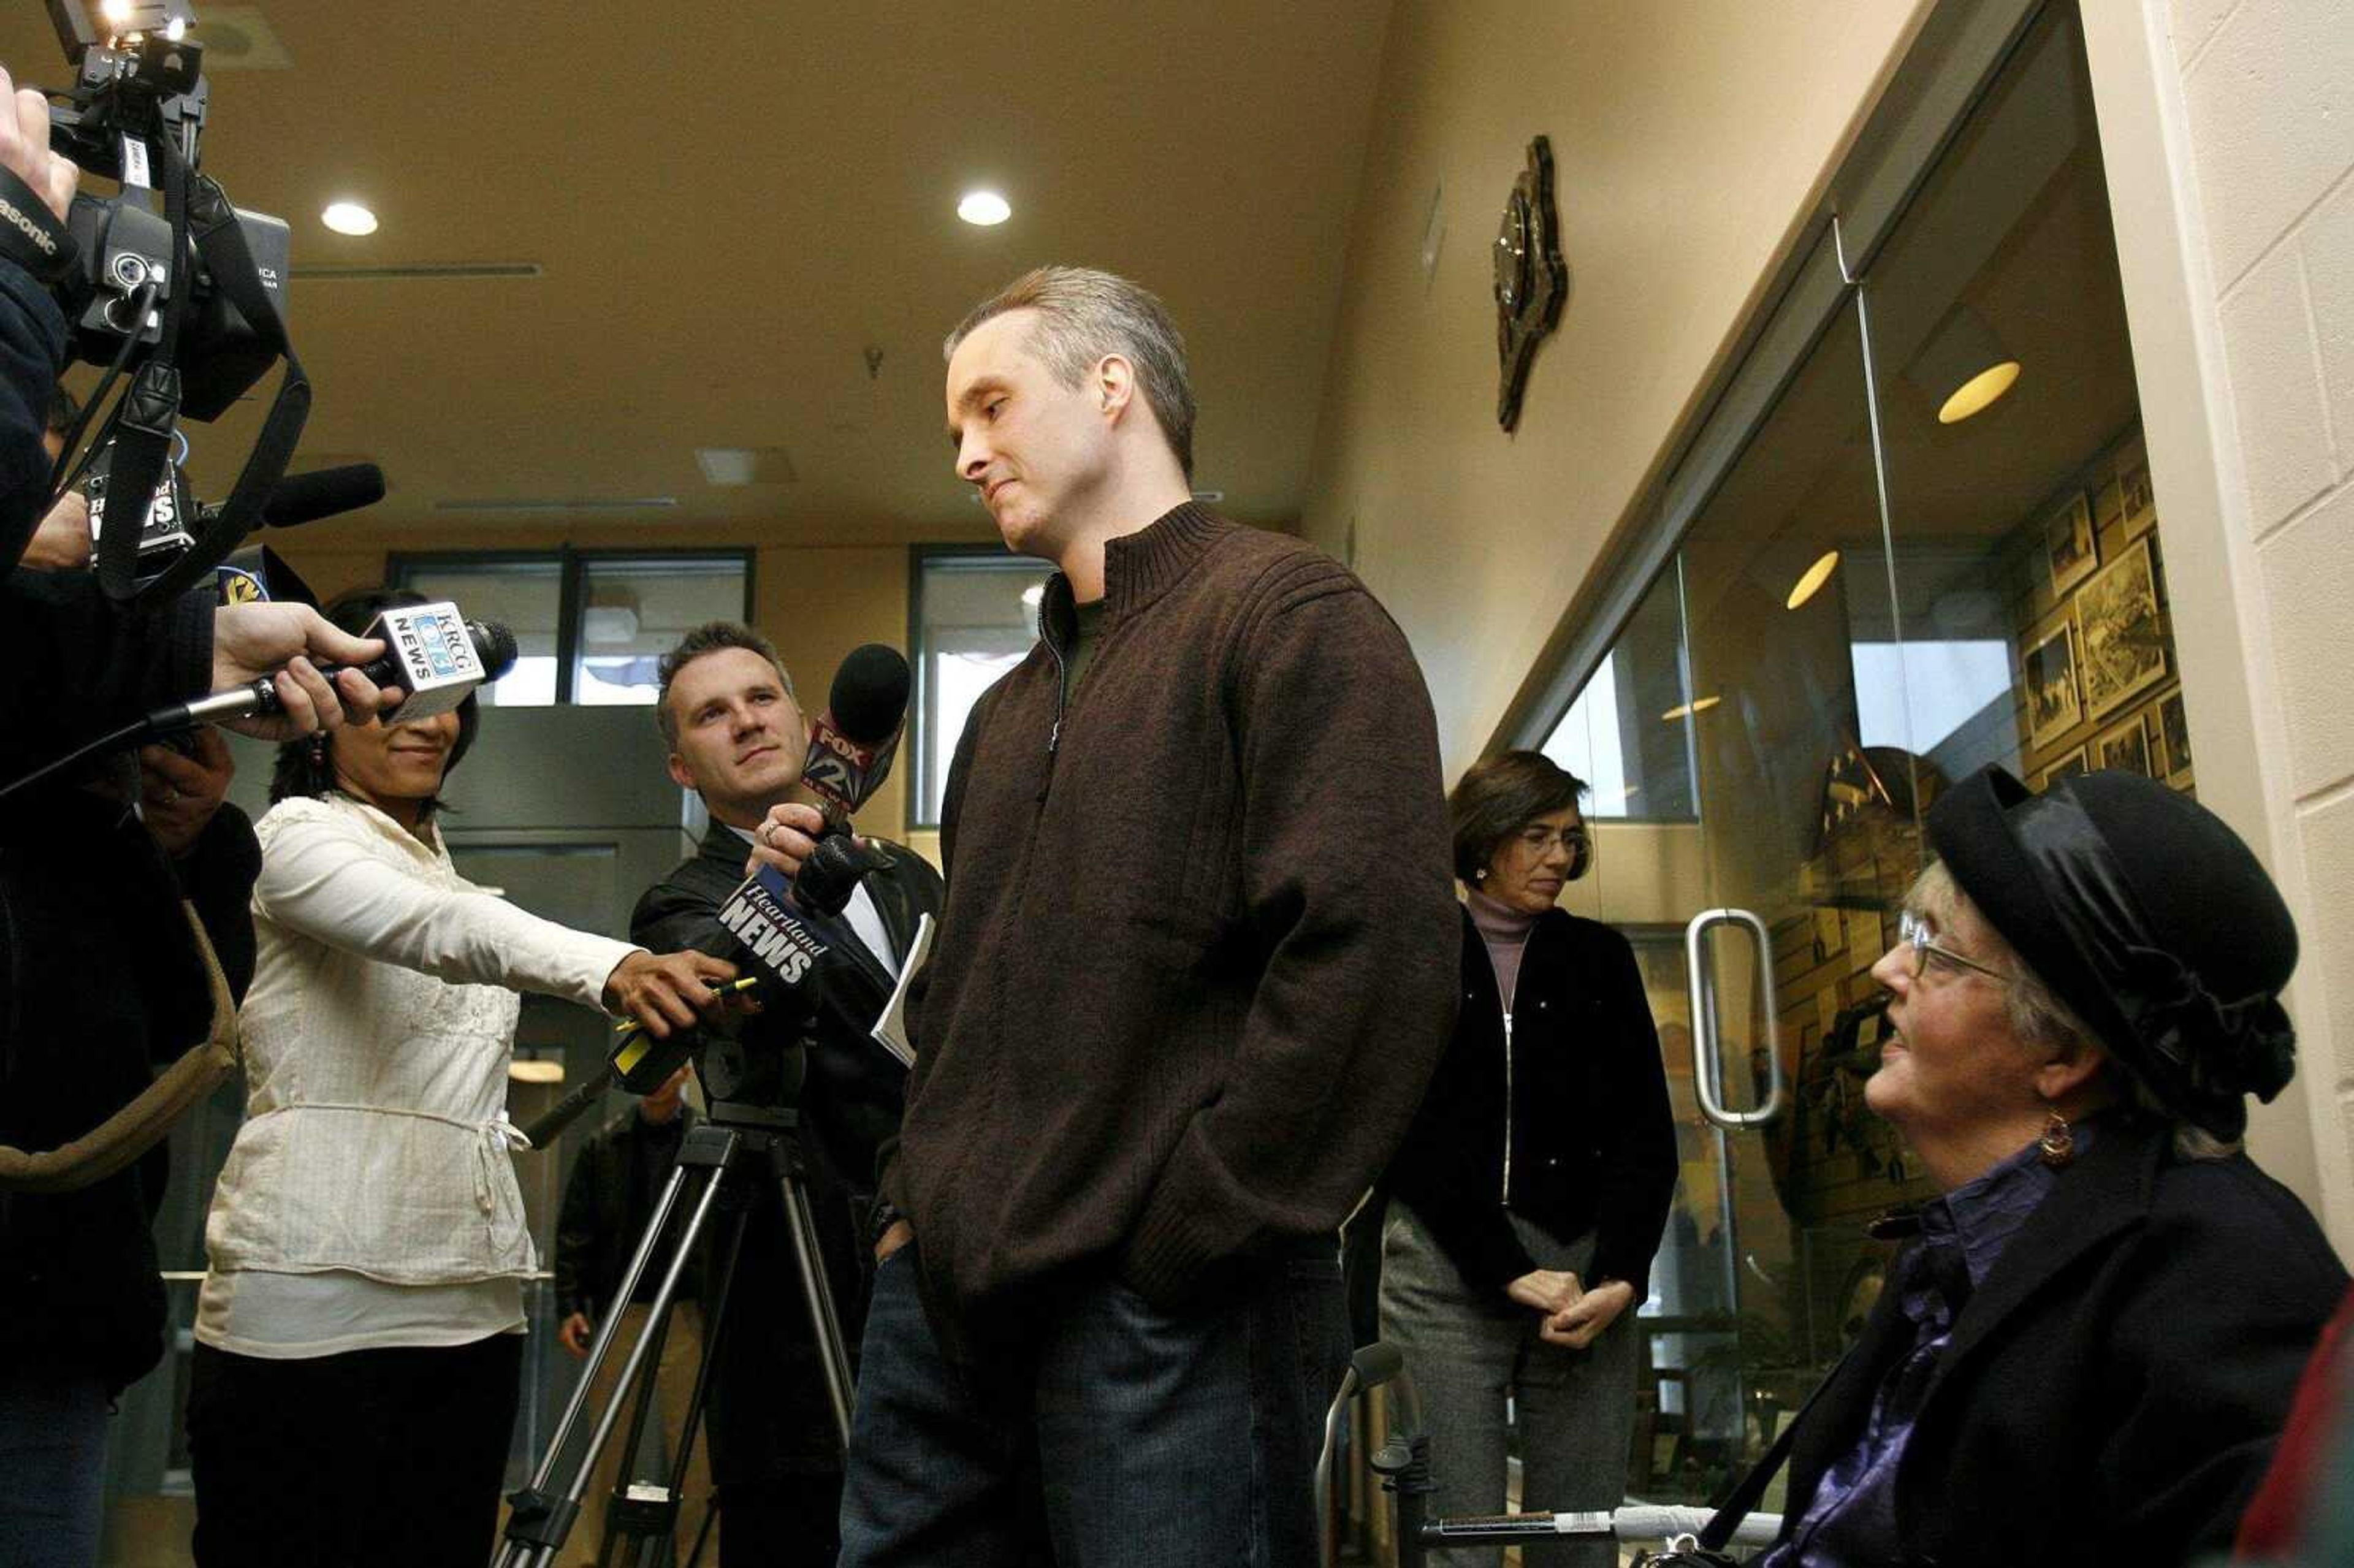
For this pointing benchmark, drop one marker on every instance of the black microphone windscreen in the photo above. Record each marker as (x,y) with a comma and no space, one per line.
(305,497)
(870,693)
(495,645)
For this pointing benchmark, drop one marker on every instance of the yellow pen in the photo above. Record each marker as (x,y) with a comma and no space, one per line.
(747,983)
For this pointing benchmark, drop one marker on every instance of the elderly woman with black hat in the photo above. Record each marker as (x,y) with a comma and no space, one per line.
(2086,1353)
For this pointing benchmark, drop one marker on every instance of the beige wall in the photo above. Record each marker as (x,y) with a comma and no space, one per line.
(1688,137)
(815,603)
(2228,127)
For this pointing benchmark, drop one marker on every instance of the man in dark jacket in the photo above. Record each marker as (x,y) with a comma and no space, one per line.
(98,978)
(1198,959)
(737,739)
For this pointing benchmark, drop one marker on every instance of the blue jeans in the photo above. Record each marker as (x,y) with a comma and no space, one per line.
(1135,1435)
(52,1465)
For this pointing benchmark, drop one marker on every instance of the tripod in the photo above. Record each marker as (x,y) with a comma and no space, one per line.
(752,1132)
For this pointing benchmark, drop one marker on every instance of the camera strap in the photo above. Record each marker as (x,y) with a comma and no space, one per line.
(30,234)
(220,241)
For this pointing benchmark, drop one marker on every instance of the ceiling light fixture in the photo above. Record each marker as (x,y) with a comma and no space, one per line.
(349,217)
(1810,582)
(1687,710)
(1963,369)
(985,210)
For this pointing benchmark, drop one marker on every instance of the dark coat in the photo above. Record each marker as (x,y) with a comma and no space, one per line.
(103,986)
(770,1416)
(1593,1138)
(2114,1390)
(98,979)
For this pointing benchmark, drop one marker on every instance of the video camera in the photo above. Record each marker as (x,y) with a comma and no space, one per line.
(189,299)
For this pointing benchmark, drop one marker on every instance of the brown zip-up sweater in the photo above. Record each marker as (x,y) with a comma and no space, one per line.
(1199,952)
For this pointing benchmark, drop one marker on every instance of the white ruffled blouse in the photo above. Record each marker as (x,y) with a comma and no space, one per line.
(376,1036)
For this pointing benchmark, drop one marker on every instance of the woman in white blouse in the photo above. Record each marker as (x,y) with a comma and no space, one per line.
(359,1334)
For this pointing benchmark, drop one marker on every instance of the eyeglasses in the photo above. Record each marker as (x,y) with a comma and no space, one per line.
(1536,841)
(1916,932)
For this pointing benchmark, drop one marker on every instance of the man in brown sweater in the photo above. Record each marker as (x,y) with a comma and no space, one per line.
(1196,963)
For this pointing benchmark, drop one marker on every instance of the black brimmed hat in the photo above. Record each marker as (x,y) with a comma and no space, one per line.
(2148,917)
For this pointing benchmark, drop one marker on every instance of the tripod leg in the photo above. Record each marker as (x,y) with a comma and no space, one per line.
(511,1552)
(715,1319)
(539,1546)
(642,1402)
(817,1296)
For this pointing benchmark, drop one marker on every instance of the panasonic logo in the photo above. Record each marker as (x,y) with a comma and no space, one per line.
(34,232)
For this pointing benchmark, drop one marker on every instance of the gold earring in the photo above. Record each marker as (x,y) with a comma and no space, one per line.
(2058,1144)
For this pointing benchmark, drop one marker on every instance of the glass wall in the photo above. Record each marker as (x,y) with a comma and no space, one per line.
(1934,548)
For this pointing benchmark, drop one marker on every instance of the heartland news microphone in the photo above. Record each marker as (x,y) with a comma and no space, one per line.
(433,654)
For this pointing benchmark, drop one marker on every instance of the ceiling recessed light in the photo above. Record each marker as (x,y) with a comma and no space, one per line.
(986,208)
(349,217)
(1811,580)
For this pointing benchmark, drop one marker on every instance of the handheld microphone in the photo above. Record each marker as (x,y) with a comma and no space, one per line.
(769,938)
(306,497)
(853,742)
(434,655)
(851,748)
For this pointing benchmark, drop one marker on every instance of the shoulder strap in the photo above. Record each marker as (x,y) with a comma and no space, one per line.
(148,1119)
(1736,1506)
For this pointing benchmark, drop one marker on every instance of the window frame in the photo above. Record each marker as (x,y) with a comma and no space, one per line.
(572,576)
(919,559)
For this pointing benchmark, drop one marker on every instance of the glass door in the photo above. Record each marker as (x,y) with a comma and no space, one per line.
(1809,837)
(1929,545)
(1753,838)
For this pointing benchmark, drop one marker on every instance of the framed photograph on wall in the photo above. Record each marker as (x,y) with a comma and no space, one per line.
(2173,737)
(2068,767)
(2048,677)
(2141,506)
(2068,547)
(2120,643)
(2123,748)
(2108,506)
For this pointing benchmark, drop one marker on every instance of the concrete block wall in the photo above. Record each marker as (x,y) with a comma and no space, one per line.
(2264,143)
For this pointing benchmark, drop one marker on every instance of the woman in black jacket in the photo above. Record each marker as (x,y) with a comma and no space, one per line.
(1531,1192)
(2087,1353)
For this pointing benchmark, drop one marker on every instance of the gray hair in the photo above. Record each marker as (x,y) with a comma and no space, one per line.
(1085,315)
(2040,1020)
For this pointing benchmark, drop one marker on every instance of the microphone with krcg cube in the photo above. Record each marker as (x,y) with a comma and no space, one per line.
(435,655)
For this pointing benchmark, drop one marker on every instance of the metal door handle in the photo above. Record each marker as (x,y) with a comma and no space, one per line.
(1707,1061)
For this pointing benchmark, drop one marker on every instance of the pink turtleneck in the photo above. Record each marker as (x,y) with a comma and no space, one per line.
(1506,931)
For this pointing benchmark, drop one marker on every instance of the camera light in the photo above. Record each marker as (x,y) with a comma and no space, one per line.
(986,208)
(177,29)
(349,217)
